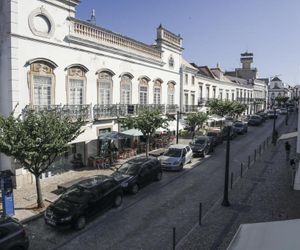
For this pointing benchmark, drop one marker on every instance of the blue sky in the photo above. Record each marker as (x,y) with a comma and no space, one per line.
(213,31)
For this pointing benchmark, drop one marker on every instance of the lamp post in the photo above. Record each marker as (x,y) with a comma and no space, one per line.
(177,126)
(225,202)
(274,134)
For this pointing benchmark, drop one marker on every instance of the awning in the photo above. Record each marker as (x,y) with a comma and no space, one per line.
(133,132)
(88,135)
(276,235)
(288,136)
(114,135)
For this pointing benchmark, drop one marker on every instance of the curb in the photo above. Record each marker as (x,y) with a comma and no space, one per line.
(32,218)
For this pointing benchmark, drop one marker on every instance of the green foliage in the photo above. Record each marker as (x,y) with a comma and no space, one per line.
(222,108)
(195,120)
(281,99)
(36,140)
(147,122)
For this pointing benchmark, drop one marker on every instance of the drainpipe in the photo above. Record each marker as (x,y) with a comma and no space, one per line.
(181,71)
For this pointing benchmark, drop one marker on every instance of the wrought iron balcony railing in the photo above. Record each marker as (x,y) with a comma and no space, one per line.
(78,111)
(190,108)
(171,108)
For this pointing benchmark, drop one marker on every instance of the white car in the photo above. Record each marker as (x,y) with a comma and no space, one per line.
(176,157)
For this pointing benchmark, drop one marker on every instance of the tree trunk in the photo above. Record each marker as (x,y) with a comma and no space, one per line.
(147,146)
(40,202)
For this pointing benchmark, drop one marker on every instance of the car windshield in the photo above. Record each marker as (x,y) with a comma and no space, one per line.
(199,141)
(173,152)
(239,125)
(254,117)
(129,168)
(211,134)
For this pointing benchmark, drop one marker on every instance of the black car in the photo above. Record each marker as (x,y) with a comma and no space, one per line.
(83,200)
(255,120)
(138,172)
(216,137)
(201,145)
(263,116)
(12,234)
(240,127)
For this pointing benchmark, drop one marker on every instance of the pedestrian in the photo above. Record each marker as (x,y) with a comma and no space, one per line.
(293,171)
(287,150)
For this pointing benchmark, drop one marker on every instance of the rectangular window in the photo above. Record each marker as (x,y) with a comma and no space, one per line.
(171,98)
(105,93)
(200,92)
(125,93)
(193,99)
(76,91)
(221,94)
(193,80)
(42,90)
(143,95)
(186,99)
(232,96)
(156,95)
(214,93)
(186,79)
(207,92)
(227,96)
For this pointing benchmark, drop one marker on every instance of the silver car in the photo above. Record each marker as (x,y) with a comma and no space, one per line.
(176,157)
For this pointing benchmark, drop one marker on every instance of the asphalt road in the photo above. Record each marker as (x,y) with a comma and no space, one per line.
(145,221)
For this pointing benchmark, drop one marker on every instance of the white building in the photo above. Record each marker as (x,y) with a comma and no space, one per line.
(51,60)
(278,88)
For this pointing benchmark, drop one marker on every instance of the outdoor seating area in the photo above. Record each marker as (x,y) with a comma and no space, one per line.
(115,146)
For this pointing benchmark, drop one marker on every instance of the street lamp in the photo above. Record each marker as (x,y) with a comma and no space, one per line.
(274,134)
(177,125)
(225,202)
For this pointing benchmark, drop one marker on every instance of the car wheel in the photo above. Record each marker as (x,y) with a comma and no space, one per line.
(181,167)
(80,223)
(158,176)
(134,189)
(204,153)
(118,200)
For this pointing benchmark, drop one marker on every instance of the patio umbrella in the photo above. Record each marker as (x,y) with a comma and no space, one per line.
(132,132)
(113,135)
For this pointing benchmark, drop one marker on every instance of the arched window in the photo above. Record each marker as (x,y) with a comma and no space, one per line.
(105,87)
(157,92)
(76,85)
(41,82)
(171,93)
(125,88)
(143,90)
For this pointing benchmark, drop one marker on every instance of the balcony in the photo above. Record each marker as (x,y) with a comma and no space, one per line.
(72,111)
(190,108)
(75,112)
(105,111)
(84,31)
(171,109)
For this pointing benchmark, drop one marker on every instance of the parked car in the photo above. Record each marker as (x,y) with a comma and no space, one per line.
(201,145)
(138,172)
(283,111)
(12,234)
(176,157)
(271,114)
(240,127)
(83,200)
(255,120)
(216,137)
(232,134)
(263,116)
(290,109)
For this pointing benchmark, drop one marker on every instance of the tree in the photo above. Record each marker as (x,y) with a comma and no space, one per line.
(37,140)
(147,122)
(195,120)
(222,108)
(281,99)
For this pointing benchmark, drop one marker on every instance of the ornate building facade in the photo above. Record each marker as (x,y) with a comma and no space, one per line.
(52,60)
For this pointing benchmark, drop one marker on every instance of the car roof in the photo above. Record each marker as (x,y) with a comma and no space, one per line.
(93,181)
(141,160)
(202,137)
(179,146)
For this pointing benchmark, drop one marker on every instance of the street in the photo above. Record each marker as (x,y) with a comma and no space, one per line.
(145,221)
